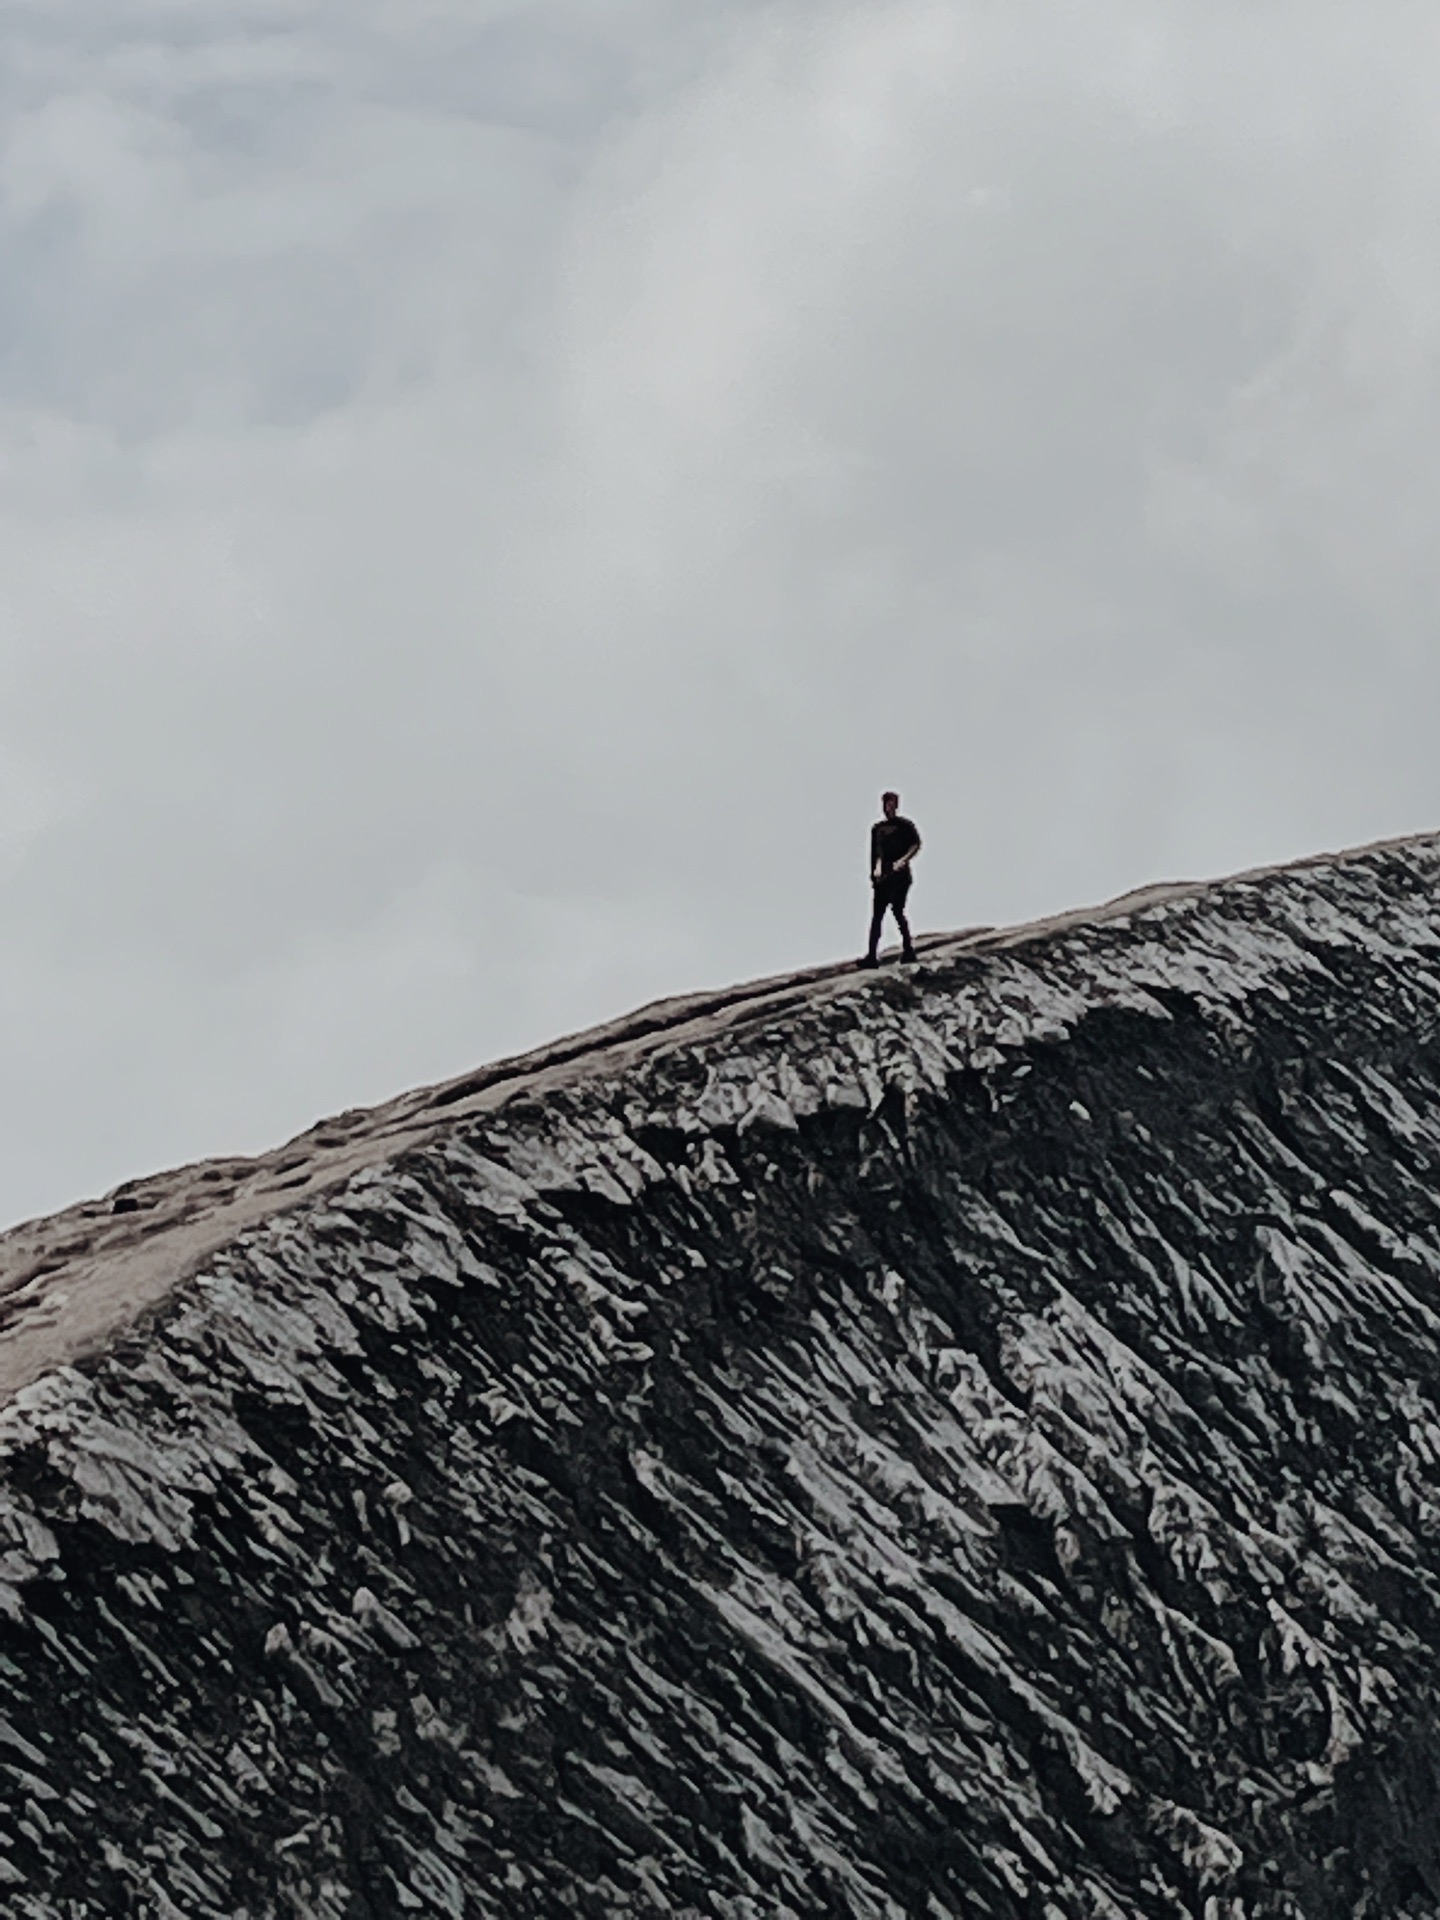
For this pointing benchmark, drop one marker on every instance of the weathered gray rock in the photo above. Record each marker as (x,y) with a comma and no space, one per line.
(958,1442)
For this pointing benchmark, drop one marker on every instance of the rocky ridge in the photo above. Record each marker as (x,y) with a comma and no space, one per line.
(954,1442)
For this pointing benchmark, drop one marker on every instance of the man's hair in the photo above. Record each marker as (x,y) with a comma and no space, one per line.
(889,794)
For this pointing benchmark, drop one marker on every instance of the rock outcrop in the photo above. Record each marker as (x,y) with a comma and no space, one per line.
(957,1442)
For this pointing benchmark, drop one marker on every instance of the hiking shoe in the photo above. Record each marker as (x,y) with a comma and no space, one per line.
(908,955)
(868,961)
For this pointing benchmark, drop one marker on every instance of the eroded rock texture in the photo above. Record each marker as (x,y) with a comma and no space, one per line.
(963,1443)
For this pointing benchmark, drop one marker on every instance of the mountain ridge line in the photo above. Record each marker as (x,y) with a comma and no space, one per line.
(72,1281)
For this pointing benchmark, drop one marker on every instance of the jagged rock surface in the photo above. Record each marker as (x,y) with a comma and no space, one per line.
(965,1443)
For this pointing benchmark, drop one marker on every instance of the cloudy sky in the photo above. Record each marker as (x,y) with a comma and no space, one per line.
(489,492)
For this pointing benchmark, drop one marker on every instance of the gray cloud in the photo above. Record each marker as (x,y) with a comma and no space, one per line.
(488,493)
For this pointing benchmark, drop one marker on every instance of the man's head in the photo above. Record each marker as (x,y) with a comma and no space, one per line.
(891,803)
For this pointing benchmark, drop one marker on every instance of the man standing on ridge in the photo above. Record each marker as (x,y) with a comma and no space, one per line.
(894,843)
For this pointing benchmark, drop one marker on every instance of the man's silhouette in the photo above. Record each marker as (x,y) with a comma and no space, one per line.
(894,843)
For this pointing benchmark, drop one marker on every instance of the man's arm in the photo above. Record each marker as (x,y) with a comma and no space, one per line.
(902,865)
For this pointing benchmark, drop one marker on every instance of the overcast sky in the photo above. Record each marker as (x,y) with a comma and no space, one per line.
(490,492)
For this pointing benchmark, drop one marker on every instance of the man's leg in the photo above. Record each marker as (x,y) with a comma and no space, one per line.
(907,945)
(877,920)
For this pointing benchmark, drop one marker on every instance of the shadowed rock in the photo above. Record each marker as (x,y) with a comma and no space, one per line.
(962,1443)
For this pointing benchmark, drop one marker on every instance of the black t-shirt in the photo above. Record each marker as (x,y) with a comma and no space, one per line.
(891,840)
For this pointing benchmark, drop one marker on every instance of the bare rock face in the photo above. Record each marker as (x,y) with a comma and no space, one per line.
(960,1442)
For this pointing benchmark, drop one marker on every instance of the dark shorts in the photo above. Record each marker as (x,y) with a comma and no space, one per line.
(891,891)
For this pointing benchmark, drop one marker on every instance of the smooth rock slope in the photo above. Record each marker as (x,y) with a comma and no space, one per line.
(961,1442)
